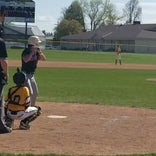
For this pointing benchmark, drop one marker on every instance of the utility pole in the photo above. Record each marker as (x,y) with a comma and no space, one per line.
(26,27)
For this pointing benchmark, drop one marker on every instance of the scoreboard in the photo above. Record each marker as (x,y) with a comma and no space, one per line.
(17,10)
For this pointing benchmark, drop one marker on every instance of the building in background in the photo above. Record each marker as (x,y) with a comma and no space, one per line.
(15,35)
(132,38)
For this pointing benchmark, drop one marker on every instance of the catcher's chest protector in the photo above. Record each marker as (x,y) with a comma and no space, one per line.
(3,127)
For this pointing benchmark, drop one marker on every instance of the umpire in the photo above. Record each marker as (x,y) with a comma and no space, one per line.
(3,80)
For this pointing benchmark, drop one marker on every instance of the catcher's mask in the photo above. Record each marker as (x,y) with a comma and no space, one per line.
(19,77)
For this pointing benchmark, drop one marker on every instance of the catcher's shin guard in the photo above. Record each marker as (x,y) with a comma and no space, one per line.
(3,126)
(9,122)
(32,117)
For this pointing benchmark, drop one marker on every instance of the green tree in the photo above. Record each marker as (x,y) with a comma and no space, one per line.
(132,11)
(67,27)
(99,12)
(72,21)
(74,12)
(112,15)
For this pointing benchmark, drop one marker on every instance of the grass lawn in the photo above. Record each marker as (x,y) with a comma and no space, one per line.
(96,86)
(85,56)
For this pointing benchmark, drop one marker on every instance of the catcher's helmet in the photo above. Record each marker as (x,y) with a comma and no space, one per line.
(34,40)
(19,77)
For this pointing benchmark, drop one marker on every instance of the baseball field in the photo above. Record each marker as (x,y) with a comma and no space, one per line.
(89,106)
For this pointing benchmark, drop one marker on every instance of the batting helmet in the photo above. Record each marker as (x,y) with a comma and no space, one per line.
(34,40)
(19,77)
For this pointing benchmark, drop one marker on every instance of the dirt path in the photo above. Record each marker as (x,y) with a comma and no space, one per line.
(87,65)
(85,129)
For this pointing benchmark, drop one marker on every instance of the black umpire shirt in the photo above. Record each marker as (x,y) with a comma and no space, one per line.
(3,51)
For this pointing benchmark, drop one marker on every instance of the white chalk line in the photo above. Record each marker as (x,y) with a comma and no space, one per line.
(110,121)
(56,116)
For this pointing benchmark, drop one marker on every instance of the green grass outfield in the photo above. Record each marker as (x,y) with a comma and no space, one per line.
(84,56)
(95,86)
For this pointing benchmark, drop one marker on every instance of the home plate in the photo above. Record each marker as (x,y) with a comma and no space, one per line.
(56,117)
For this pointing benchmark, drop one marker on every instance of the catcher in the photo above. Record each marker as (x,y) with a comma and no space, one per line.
(17,103)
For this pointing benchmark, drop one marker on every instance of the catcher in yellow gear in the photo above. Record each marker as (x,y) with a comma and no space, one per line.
(17,103)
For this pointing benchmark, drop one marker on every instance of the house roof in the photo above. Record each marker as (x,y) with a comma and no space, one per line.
(32,30)
(117,32)
(147,34)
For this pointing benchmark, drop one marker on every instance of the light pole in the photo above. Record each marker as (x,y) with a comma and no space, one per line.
(26,27)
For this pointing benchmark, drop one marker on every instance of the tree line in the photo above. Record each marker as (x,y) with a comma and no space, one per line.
(88,15)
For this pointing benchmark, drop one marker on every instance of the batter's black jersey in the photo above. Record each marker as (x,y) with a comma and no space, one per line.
(30,66)
(3,51)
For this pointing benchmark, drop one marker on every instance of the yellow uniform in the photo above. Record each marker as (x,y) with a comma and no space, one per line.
(18,98)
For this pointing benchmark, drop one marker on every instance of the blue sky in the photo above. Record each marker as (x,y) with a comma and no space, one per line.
(48,12)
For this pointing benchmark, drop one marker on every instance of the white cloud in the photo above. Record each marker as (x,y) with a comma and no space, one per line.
(46,22)
(45,18)
(148,12)
(148,7)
